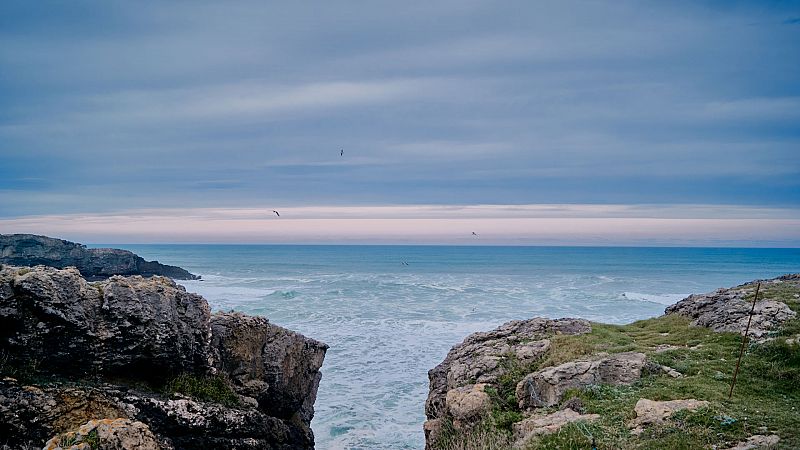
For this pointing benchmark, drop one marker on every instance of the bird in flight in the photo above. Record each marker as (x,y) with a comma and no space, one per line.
(474,233)
(341,153)
(276,213)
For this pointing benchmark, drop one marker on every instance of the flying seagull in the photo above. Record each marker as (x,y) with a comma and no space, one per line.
(474,233)
(276,213)
(341,153)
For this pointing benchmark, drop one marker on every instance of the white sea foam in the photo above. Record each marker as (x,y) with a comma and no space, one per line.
(661,299)
(388,324)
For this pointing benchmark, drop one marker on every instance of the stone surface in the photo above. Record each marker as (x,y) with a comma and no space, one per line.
(105,348)
(467,404)
(547,386)
(478,361)
(729,309)
(649,412)
(545,424)
(109,434)
(757,441)
(32,250)
(277,367)
(143,328)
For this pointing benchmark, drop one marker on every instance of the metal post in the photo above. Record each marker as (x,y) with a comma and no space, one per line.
(744,341)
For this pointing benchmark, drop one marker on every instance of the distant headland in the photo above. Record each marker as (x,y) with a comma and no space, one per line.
(93,263)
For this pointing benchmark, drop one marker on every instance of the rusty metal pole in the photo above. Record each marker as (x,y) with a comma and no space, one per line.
(744,341)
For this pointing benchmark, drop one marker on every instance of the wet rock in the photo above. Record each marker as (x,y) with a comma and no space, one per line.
(93,263)
(536,425)
(547,386)
(729,309)
(650,412)
(106,434)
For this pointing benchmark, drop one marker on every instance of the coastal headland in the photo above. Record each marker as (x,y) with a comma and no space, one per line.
(659,383)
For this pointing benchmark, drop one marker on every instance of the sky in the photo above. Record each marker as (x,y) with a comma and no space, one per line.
(531,122)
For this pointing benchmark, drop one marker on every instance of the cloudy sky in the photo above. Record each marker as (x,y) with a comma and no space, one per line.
(588,122)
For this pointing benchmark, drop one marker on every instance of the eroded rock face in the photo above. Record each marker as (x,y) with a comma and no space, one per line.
(757,441)
(546,387)
(32,250)
(729,309)
(123,332)
(109,434)
(277,367)
(536,425)
(141,328)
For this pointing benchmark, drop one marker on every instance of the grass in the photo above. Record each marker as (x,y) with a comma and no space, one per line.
(93,439)
(766,399)
(209,389)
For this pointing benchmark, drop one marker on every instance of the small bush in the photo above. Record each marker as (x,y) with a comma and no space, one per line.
(210,389)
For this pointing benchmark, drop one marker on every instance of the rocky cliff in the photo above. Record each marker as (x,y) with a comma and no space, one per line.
(133,359)
(93,263)
(658,383)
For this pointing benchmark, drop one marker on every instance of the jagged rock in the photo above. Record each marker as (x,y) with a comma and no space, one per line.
(671,372)
(729,309)
(478,361)
(535,425)
(650,412)
(108,434)
(142,328)
(546,387)
(32,250)
(757,441)
(133,331)
(277,367)
(467,404)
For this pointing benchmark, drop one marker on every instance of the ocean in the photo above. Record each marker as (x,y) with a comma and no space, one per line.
(391,313)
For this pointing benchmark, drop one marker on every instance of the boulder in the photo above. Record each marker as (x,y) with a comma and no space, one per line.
(536,425)
(106,434)
(467,404)
(93,263)
(728,310)
(547,386)
(757,441)
(650,412)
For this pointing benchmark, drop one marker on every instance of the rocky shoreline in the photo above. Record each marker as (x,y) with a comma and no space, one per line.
(139,360)
(569,383)
(93,263)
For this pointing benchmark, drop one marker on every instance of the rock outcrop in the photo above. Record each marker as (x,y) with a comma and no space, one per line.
(457,384)
(104,350)
(547,386)
(649,412)
(546,424)
(106,434)
(93,263)
(729,309)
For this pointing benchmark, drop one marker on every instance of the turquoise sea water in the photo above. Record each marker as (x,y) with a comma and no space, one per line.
(388,322)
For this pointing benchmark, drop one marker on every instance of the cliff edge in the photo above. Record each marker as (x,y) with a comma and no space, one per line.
(652,384)
(140,361)
(93,263)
